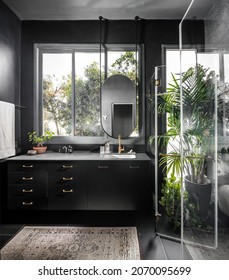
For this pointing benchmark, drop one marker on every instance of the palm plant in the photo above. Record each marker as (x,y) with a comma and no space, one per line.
(198,93)
(198,125)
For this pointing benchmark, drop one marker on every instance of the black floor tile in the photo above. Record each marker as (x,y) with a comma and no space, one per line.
(150,243)
(4,238)
(9,228)
(174,251)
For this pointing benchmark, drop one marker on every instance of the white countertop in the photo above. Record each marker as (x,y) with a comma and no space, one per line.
(76,156)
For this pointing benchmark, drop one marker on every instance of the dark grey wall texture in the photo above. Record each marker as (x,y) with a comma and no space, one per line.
(10,49)
(216,26)
(17,40)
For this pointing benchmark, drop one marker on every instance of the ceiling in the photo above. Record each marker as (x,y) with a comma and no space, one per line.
(110,9)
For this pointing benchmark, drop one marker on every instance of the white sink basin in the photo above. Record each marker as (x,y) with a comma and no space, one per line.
(131,155)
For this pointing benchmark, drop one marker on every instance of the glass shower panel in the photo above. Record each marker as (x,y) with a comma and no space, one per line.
(158,93)
(203,149)
(164,141)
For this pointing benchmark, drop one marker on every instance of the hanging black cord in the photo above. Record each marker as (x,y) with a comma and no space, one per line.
(136,53)
(100,53)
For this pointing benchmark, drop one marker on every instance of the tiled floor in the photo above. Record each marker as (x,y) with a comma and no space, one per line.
(153,247)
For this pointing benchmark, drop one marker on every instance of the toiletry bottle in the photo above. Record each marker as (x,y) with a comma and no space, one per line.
(107,148)
(70,150)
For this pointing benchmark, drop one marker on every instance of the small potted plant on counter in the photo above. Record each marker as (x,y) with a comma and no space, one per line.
(39,140)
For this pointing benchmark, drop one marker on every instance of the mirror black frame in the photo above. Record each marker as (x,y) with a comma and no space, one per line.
(119,92)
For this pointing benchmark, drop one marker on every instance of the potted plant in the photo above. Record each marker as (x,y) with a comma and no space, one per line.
(198,130)
(171,201)
(39,140)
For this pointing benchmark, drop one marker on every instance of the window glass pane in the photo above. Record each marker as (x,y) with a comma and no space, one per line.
(173,68)
(173,63)
(124,62)
(87,94)
(226,68)
(70,105)
(209,61)
(56,87)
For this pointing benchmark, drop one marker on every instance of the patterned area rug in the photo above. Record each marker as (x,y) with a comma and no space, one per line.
(73,243)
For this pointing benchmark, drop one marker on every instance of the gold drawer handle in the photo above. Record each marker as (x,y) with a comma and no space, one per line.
(67,166)
(134,167)
(27,166)
(27,191)
(103,166)
(27,178)
(27,203)
(67,191)
(67,179)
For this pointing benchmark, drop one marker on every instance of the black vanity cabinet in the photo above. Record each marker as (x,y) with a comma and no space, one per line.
(86,182)
(27,186)
(66,186)
(133,181)
(119,185)
(102,185)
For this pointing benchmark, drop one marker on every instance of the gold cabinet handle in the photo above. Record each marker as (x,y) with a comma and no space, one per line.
(67,166)
(27,166)
(67,179)
(134,166)
(27,178)
(27,191)
(103,166)
(67,191)
(27,203)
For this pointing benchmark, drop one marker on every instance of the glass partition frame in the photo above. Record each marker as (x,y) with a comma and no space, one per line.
(212,244)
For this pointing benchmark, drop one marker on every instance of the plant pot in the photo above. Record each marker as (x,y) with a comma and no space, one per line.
(200,194)
(40,150)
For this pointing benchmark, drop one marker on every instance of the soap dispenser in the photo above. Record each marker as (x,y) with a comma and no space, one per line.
(107,148)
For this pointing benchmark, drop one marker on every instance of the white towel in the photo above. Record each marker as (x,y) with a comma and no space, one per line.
(7,129)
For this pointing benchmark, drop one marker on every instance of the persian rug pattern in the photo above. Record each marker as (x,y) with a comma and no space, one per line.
(73,243)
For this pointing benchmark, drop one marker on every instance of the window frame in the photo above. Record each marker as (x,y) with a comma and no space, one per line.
(40,49)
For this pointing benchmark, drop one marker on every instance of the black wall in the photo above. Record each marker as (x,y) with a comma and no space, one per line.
(10,54)
(151,33)
(10,49)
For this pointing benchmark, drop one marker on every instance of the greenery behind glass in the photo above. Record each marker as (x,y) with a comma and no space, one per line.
(57,97)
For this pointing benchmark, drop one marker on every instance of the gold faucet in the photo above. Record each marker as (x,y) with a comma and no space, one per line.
(120,149)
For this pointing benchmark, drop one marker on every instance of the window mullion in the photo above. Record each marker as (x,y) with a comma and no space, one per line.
(40,126)
(73,94)
(105,63)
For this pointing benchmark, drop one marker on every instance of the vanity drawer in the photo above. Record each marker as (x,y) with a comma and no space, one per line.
(25,166)
(28,178)
(63,179)
(27,191)
(64,167)
(18,203)
(67,198)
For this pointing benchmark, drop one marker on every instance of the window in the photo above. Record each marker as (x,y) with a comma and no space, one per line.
(189,59)
(68,86)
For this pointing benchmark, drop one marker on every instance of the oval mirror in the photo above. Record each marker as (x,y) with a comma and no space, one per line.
(118,106)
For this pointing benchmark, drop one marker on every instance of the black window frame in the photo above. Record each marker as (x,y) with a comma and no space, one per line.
(40,49)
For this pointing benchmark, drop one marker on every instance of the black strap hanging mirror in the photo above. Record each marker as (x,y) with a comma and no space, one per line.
(118,100)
